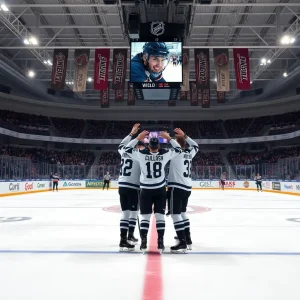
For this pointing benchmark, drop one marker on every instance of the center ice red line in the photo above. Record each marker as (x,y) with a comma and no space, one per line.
(153,286)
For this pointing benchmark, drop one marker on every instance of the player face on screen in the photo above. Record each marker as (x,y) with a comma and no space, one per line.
(156,64)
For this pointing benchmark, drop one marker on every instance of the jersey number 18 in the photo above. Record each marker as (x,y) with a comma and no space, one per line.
(156,172)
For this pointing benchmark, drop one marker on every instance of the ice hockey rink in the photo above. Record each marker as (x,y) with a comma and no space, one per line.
(246,245)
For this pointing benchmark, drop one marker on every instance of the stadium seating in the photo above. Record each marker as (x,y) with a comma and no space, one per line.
(34,124)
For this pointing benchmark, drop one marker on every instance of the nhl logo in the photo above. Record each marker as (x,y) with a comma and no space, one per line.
(157,28)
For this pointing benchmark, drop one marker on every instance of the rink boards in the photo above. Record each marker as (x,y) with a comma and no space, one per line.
(8,188)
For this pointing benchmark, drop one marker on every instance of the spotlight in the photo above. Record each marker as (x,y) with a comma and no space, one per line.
(31,73)
(33,40)
(49,62)
(4,7)
(89,79)
(26,42)
(285,74)
(216,79)
(287,39)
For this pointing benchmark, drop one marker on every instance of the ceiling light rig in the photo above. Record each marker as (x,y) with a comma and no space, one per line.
(32,40)
(4,7)
(31,74)
(265,61)
(287,40)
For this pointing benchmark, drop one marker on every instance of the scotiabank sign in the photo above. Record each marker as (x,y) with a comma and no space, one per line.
(229,184)
(28,186)
(206,184)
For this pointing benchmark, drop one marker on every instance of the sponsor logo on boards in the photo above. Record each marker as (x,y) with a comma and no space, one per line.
(14,186)
(93,184)
(276,186)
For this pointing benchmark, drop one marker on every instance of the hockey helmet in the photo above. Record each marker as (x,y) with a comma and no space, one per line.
(156,49)
(154,143)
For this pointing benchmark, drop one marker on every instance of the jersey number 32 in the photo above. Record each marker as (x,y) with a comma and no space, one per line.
(126,166)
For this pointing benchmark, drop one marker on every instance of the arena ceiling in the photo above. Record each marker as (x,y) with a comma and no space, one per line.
(258,25)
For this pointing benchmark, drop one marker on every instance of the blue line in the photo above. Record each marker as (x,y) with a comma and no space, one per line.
(139,253)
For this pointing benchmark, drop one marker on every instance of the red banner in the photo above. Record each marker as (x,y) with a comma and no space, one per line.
(242,69)
(183,96)
(101,69)
(193,93)
(59,68)
(104,98)
(205,98)
(130,94)
(221,97)
(119,68)
(202,68)
(119,95)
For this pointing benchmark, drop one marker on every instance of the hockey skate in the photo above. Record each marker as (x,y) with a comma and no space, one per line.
(160,244)
(125,246)
(180,247)
(143,246)
(131,239)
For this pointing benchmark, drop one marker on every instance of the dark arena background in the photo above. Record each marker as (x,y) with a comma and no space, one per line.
(76,75)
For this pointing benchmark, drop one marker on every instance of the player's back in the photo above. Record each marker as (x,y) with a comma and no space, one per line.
(130,171)
(153,168)
(180,171)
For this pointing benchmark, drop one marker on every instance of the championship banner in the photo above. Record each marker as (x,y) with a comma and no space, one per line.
(119,95)
(221,97)
(101,69)
(202,68)
(81,64)
(104,98)
(221,59)
(171,102)
(59,68)
(193,94)
(183,96)
(242,68)
(119,69)
(130,94)
(205,98)
(185,70)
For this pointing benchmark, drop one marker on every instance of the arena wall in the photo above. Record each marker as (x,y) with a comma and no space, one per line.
(10,188)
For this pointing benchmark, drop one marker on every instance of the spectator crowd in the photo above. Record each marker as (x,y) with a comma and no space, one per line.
(34,124)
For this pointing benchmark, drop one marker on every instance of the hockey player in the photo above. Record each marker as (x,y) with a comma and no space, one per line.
(222,180)
(152,181)
(129,185)
(179,190)
(258,181)
(148,66)
(55,179)
(106,180)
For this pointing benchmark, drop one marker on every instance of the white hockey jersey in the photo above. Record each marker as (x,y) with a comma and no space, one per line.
(130,170)
(258,179)
(181,167)
(153,164)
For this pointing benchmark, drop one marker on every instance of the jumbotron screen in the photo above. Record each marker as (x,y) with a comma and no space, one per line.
(156,63)
(153,134)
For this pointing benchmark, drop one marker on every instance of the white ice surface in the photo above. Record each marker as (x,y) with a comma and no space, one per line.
(74,221)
